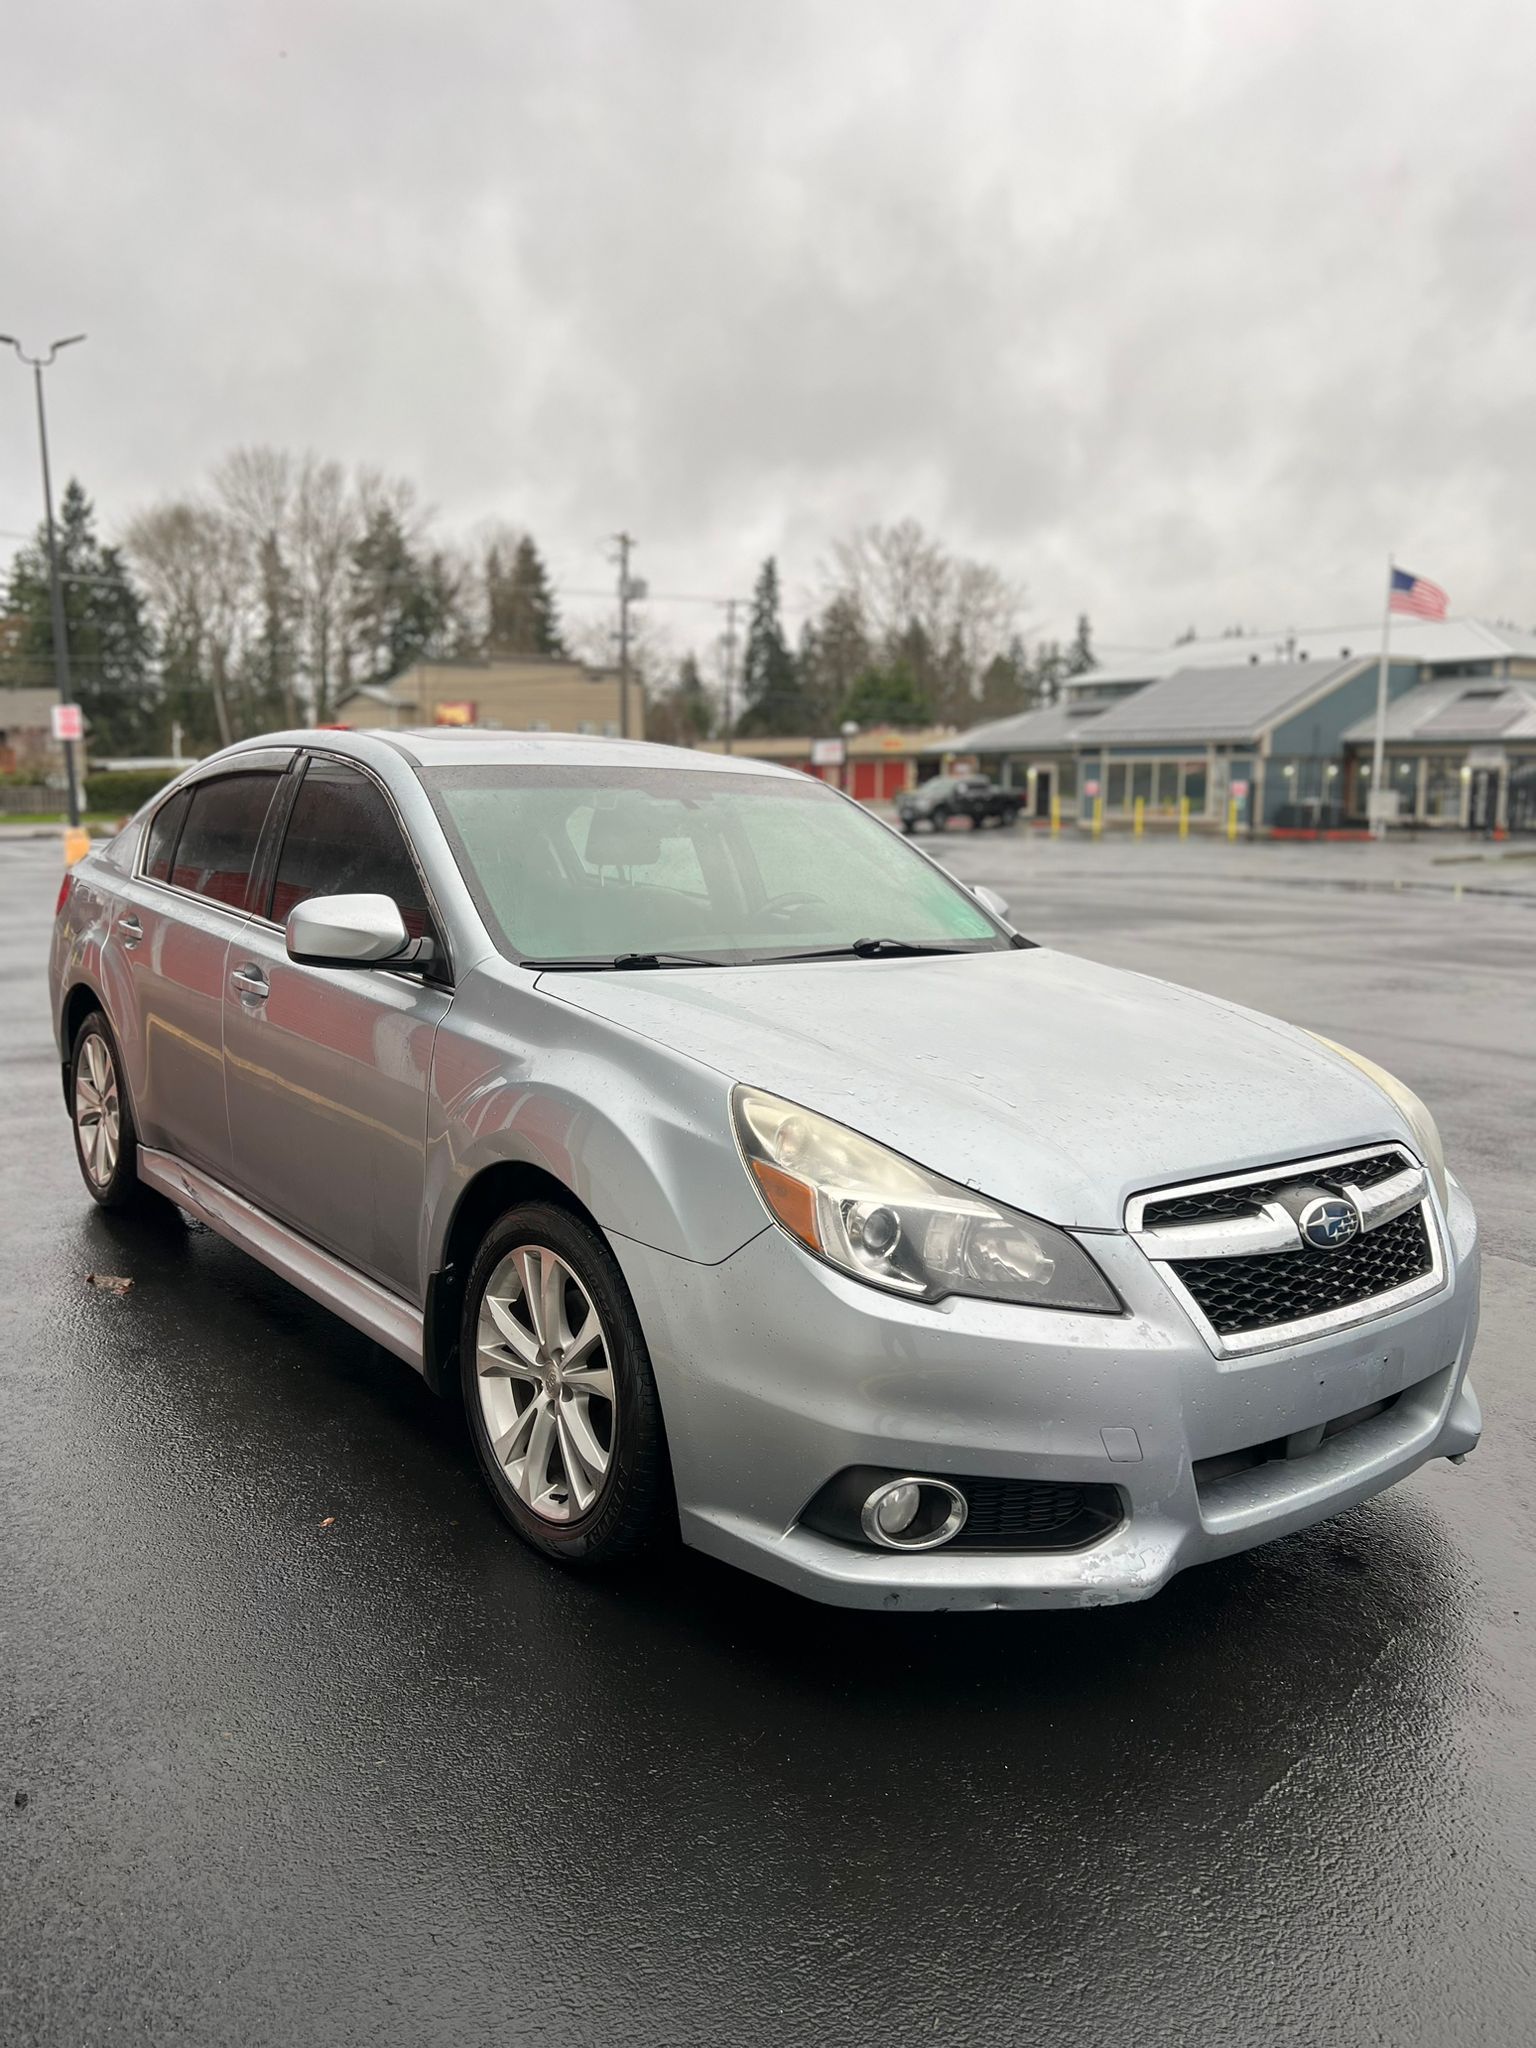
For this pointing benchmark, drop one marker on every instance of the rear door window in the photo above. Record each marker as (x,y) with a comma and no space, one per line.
(164,829)
(343,840)
(218,841)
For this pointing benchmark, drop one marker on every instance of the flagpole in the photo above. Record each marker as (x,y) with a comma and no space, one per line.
(1379,748)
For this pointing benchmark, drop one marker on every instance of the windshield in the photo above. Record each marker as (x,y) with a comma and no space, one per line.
(574,863)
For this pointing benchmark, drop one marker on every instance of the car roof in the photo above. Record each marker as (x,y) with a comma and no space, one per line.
(459,746)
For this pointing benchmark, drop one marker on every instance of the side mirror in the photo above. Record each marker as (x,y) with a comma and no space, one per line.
(990,900)
(351,931)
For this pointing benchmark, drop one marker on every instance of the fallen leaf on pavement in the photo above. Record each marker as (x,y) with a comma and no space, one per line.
(327,1523)
(109,1283)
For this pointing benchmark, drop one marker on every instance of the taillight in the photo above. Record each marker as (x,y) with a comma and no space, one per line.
(64,889)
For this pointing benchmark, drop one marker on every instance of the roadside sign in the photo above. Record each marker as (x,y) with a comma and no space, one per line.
(1090,789)
(67,722)
(1239,790)
(828,753)
(454,714)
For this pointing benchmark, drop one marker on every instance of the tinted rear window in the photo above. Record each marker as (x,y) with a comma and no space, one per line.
(218,840)
(163,830)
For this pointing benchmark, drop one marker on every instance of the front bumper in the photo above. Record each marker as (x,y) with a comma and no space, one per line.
(775,1373)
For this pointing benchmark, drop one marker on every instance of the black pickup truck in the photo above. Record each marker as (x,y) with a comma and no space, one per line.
(958,796)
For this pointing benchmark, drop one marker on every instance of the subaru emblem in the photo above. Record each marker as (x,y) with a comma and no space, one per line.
(1329,1222)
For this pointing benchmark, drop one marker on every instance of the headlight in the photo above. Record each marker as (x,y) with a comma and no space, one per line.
(875,1215)
(1408,1106)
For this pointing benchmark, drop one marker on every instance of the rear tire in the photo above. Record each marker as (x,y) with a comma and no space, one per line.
(939,819)
(106,1141)
(559,1392)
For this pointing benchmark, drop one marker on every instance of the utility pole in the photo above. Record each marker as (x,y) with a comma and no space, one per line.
(731,604)
(630,588)
(37,365)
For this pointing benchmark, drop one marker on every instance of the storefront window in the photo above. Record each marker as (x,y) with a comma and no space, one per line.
(1115,794)
(1194,787)
(1443,788)
(1066,773)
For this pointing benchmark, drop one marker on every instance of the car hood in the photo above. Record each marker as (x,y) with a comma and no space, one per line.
(1046,1081)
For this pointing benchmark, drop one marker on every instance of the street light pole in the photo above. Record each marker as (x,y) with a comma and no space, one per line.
(37,365)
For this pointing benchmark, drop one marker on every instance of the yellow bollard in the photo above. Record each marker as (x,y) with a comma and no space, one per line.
(1183,817)
(1055,817)
(1231,817)
(1098,817)
(1138,817)
(77,844)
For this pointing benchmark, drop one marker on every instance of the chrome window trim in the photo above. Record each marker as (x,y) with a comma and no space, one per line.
(1243,1344)
(259,760)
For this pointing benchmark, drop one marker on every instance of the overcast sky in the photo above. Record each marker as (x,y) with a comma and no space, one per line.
(1179,310)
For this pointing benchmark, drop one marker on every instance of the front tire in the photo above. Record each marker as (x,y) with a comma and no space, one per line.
(559,1391)
(106,1141)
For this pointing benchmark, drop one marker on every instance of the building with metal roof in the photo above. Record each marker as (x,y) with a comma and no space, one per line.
(1460,751)
(1284,725)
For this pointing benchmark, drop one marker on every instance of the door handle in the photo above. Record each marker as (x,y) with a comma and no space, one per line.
(130,928)
(250,981)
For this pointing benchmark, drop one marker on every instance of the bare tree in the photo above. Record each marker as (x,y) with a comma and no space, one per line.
(942,615)
(326,525)
(254,488)
(182,554)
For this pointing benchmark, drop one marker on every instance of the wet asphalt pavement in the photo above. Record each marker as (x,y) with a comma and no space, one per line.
(396,1781)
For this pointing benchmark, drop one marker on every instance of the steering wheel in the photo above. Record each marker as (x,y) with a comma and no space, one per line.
(790,901)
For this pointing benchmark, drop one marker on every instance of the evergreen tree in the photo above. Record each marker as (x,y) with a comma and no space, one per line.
(770,688)
(1049,668)
(520,605)
(682,715)
(834,652)
(695,712)
(1080,655)
(1008,685)
(894,695)
(400,608)
(111,654)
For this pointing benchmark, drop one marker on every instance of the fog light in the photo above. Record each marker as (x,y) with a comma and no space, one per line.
(913,1514)
(897,1506)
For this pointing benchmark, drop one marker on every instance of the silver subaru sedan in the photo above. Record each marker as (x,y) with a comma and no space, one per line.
(747,1176)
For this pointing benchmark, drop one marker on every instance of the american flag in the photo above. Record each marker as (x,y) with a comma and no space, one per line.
(1416,596)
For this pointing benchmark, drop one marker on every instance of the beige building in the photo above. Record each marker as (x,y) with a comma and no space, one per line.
(523,693)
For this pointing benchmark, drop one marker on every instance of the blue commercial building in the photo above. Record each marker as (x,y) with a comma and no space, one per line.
(1289,738)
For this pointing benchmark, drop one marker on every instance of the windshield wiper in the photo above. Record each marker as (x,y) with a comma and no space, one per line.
(884,949)
(598,963)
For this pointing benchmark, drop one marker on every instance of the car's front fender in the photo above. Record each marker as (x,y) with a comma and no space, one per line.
(639,1134)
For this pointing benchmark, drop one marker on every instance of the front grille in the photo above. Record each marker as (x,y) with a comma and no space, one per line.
(1034,1514)
(1288,1287)
(1206,1205)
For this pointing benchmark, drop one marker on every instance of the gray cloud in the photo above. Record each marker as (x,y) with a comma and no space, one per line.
(1178,309)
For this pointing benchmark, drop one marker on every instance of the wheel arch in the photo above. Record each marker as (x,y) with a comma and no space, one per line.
(500,1186)
(78,1004)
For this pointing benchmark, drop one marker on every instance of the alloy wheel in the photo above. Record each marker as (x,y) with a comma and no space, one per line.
(98,1117)
(545,1379)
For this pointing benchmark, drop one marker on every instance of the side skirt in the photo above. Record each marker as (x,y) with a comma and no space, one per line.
(385,1317)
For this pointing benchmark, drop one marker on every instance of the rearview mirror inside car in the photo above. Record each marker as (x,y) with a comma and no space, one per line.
(352,931)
